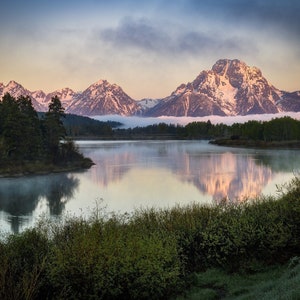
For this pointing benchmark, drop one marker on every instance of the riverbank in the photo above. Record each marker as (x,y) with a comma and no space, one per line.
(295,144)
(20,169)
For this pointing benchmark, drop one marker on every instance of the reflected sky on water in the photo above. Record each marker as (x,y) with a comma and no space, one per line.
(135,174)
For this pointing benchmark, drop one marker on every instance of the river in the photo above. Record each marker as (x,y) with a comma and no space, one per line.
(129,175)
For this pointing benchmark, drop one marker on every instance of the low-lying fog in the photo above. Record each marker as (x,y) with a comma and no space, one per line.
(131,122)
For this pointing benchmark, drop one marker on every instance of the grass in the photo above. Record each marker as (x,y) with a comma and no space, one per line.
(246,251)
(276,282)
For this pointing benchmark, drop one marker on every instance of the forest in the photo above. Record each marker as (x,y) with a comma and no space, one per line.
(277,129)
(83,127)
(26,139)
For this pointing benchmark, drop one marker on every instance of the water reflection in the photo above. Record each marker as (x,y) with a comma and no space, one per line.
(19,197)
(279,160)
(218,172)
(128,175)
(227,175)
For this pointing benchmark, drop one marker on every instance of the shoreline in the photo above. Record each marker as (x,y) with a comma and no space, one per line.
(32,169)
(256,144)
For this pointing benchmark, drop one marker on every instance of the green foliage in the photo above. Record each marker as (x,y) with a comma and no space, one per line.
(23,266)
(278,129)
(19,131)
(154,254)
(159,131)
(200,130)
(282,129)
(109,260)
(25,138)
(54,128)
(276,282)
(79,126)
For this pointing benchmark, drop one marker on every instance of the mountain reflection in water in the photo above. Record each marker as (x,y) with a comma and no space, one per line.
(133,174)
(220,172)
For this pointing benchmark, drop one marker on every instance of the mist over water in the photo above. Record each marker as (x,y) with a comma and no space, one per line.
(133,174)
(22,198)
(134,121)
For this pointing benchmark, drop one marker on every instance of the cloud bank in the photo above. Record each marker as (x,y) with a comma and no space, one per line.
(131,122)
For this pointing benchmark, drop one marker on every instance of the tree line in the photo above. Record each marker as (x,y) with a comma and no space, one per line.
(277,129)
(24,137)
(80,126)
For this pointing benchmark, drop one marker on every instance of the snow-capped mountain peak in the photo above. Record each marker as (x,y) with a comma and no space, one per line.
(102,98)
(230,88)
(66,95)
(17,90)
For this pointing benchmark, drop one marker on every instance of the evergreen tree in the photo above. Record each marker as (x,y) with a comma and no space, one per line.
(252,130)
(25,138)
(32,136)
(54,129)
(12,129)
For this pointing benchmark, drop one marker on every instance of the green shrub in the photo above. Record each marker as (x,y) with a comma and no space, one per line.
(111,261)
(274,282)
(262,231)
(23,265)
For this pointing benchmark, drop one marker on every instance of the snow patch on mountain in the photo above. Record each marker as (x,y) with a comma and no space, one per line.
(148,103)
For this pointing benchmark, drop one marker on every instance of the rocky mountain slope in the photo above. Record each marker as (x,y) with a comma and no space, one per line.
(17,90)
(230,88)
(103,98)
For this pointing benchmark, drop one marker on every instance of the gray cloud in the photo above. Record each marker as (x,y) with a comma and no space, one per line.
(280,14)
(139,34)
(156,38)
(197,42)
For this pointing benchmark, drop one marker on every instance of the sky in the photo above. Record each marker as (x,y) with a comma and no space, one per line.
(146,47)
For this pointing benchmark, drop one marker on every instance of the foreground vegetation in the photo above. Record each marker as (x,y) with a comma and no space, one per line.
(270,283)
(207,252)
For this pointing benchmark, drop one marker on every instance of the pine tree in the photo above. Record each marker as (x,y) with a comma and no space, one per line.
(54,129)
(12,129)
(32,136)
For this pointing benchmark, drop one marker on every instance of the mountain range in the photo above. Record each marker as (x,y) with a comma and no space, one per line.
(230,88)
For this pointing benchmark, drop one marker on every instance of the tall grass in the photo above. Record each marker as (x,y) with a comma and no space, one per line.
(151,254)
(273,283)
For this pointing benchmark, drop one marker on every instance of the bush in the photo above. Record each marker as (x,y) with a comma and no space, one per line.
(109,260)
(23,266)
(151,254)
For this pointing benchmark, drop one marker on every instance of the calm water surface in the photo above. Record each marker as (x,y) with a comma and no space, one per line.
(134,174)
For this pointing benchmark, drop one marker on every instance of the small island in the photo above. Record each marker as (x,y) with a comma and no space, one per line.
(33,145)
